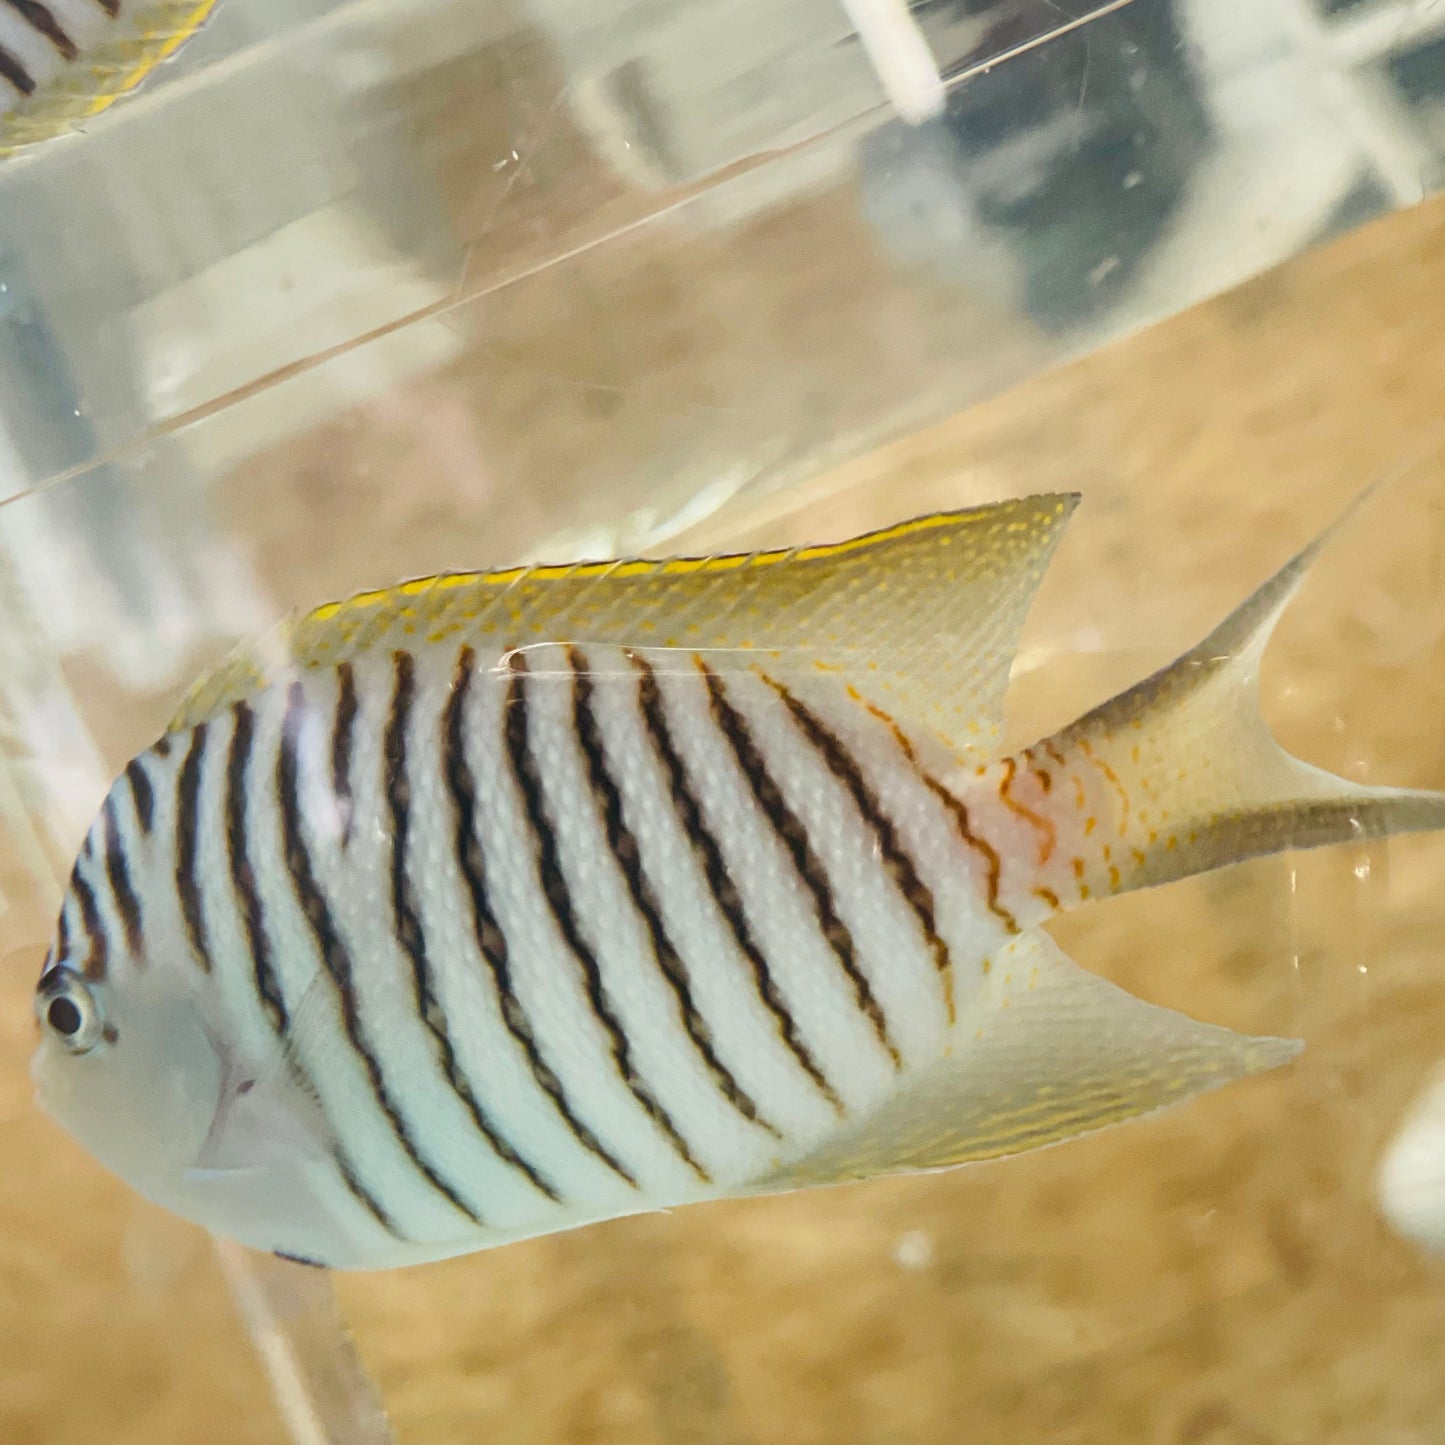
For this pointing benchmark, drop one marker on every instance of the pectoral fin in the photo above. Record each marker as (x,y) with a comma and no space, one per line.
(1046,1053)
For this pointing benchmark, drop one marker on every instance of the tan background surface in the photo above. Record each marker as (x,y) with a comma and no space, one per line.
(1218,1275)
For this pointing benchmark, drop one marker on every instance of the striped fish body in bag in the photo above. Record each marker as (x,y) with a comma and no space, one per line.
(491,905)
(62,62)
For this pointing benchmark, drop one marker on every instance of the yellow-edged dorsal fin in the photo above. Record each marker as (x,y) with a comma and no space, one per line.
(142,39)
(923,618)
(1046,1052)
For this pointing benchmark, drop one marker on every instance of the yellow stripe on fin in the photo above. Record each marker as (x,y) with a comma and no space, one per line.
(923,618)
(105,73)
(1047,1052)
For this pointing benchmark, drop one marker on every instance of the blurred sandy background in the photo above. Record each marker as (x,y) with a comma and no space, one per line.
(1215,1277)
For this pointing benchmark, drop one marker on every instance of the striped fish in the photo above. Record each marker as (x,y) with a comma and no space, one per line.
(491,905)
(62,62)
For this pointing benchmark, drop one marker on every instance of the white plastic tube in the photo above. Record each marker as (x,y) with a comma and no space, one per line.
(900,55)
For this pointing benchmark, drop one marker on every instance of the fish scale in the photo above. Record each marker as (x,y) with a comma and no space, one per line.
(778,901)
(503,1029)
(494,911)
(748,1011)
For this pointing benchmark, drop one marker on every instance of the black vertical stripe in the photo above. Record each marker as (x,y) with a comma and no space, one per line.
(111,7)
(352,1179)
(12,70)
(298,1259)
(491,941)
(42,20)
(335,956)
(887,845)
(791,830)
(341,743)
(720,881)
(554,887)
(268,985)
(62,936)
(117,870)
(958,811)
(345,1166)
(188,792)
(142,793)
(410,932)
(92,927)
(628,854)
(243,874)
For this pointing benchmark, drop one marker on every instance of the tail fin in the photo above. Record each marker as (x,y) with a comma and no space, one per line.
(1181,773)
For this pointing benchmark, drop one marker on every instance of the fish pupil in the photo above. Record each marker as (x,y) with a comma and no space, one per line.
(64,1017)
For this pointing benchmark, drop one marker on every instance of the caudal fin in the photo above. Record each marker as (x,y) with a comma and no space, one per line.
(1181,774)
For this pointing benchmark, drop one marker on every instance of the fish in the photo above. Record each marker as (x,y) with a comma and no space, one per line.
(494,904)
(63,62)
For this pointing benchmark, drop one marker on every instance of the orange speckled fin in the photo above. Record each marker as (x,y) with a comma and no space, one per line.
(1046,1052)
(1186,776)
(923,618)
(142,39)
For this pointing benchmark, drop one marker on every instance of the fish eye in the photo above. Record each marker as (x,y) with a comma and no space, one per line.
(68,1009)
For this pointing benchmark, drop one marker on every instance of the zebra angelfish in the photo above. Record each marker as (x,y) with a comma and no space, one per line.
(64,61)
(510,902)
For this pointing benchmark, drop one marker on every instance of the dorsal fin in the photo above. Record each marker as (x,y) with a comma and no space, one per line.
(923,618)
(140,40)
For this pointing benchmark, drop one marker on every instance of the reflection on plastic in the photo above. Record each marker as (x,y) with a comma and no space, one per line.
(321,1388)
(1096,166)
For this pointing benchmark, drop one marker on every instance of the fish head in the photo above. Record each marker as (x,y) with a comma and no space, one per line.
(144,1059)
(140,1076)
(126,1066)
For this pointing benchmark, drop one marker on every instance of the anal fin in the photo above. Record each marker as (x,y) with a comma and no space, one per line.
(1047,1052)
